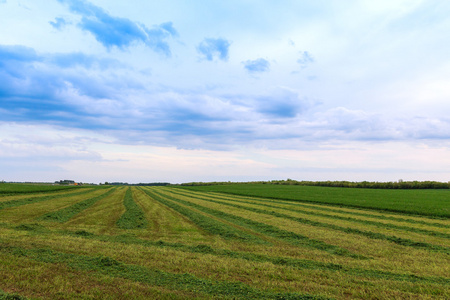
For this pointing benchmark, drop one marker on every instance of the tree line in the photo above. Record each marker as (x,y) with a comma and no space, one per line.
(347,184)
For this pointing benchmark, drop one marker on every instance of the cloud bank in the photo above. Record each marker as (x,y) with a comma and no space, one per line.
(82,91)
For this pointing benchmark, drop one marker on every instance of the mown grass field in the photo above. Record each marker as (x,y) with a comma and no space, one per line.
(179,243)
(427,202)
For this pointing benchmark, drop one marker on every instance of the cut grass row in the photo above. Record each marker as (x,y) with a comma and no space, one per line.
(111,267)
(269,230)
(101,217)
(283,261)
(374,218)
(202,253)
(384,254)
(39,280)
(36,199)
(432,203)
(133,217)
(369,234)
(65,214)
(359,212)
(207,223)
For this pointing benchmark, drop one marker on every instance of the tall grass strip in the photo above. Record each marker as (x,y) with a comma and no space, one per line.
(133,217)
(113,268)
(369,234)
(16,203)
(208,224)
(284,235)
(65,214)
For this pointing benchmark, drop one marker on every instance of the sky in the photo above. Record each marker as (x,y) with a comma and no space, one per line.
(189,90)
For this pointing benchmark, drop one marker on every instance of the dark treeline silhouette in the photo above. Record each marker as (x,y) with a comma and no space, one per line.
(347,184)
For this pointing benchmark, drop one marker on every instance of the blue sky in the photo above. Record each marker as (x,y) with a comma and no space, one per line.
(184,91)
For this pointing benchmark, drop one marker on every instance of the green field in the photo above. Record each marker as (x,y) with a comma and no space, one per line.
(180,243)
(427,202)
(23,188)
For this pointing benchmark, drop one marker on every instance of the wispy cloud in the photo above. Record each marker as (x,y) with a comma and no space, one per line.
(211,49)
(257,66)
(120,32)
(305,59)
(59,23)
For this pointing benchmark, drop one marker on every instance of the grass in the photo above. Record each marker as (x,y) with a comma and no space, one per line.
(35,199)
(432,203)
(8,296)
(373,235)
(209,245)
(291,262)
(339,216)
(205,222)
(133,217)
(272,231)
(65,214)
(111,267)
(101,217)
(22,188)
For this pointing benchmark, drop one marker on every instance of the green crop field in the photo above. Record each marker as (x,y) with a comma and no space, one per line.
(427,202)
(224,242)
(23,188)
